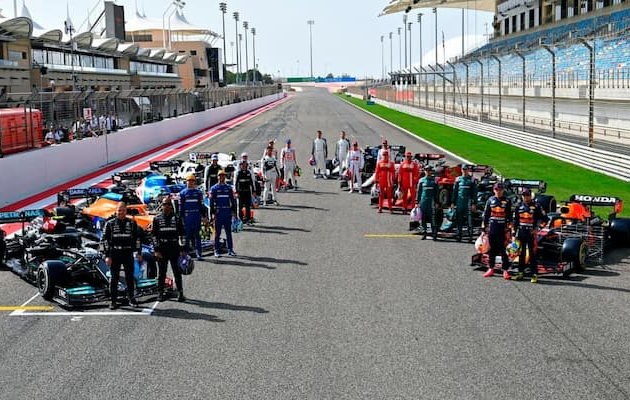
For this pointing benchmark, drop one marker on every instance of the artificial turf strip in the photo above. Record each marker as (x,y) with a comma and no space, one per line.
(563,179)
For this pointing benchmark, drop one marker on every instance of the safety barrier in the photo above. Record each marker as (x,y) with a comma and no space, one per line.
(606,162)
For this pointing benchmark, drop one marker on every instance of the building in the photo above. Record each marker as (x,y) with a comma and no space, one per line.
(204,65)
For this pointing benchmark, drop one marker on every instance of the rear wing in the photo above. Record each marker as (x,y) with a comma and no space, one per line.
(598,201)
(65,196)
(428,156)
(8,217)
(119,177)
(200,155)
(516,184)
(397,148)
(157,165)
(482,169)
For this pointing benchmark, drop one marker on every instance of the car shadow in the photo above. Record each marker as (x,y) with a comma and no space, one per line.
(275,260)
(577,281)
(225,306)
(317,192)
(258,230)
(230,261)
(294,207)
(185,314)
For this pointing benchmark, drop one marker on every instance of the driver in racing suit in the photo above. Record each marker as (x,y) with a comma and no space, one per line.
(426,193)
(354,160)
(341,152)
(464,195)
(210,174)
(527,218)
(384,147)
(192,210)
(222,209)
(269,165)
(288,164)
(384,177)
(497,217)
(408,176)
(320,152)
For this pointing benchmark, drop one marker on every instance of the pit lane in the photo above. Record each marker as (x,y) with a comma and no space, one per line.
(312,309)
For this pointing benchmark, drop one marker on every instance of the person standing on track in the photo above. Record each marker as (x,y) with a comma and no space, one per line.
(244,185)
(222,209)
(497,218)
(168,232)
(192,210)
(527,218)
(341,152)
(384,178)
(384,147)
(320,152)
(354,160)
(210,174)
(464,197)
(269,166)
(288,164)
(408,176)
(427,195)
(121,238)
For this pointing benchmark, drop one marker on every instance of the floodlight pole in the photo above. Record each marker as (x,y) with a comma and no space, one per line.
(238,46)
(591,89)
(404,26)
(481,90)
(553,90)
(518,53)
(223,8)
(499,62)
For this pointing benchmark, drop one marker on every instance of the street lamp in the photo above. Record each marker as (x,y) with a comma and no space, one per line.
(436,57)
(246,26)
(382,59)
(391,53)
(405,25)
(399,50)
(409,28)
(223,8)
(310,23)
(420,32)
(238,46)
(69,29)
(254,51)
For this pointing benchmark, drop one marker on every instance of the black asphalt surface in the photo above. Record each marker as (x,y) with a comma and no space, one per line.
(311,309)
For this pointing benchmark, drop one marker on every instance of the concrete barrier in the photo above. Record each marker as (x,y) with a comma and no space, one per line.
(25,173)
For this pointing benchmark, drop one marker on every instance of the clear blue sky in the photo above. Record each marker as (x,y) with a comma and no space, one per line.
(346,33)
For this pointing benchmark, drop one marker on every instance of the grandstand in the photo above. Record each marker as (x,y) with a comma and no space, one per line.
(576,60)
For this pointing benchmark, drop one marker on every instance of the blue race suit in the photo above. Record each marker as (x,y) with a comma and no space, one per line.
(222,207)
(497,216)
(527,218)
(191,210)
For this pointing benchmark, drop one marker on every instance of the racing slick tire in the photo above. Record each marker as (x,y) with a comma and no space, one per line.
(620,231)
(444,197)
(49,274)
(547,203)
(573,251)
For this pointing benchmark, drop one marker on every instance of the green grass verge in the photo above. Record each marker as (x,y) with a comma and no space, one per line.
(563,179)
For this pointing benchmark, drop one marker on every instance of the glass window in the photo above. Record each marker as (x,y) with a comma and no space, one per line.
(99,62)
(15,55)
(55,58)
(109,63)
(38,56)
(86,60)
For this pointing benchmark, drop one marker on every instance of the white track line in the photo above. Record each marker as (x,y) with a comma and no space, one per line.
(20,312)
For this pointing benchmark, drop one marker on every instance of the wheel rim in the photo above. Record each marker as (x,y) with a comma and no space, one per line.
(42,282)
(582,254)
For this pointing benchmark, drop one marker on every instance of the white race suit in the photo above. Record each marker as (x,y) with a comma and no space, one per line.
(269,166)
(320,152)
(355,164)
(341,152)
(288,162)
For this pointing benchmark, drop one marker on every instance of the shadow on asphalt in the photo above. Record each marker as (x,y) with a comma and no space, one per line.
(229,261)
(302,207)
(274,260)
(225,306)
(183,314)
(318,192)
(576,283)
(275,229)
(265,231)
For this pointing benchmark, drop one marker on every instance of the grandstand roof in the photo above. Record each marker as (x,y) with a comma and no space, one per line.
(18,27)
(396,6)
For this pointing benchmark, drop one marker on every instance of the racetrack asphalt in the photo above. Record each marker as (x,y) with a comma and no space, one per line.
(312,309)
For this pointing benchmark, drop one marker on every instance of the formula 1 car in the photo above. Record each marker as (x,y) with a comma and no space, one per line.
(576,237)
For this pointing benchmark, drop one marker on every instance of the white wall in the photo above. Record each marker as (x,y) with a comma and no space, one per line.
(28,173)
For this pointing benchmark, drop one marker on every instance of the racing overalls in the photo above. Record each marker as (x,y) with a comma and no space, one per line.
(384,177)
(427,193)
(408,176)
(320,152)
(497,217)
(527,218)
(464,194)
(210,175)
(379,155)
(287,164)
(191,209)
(341,152)
(245,187)
(222,207)
(166,233)
(269,166)
(121,238)
(354,160)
